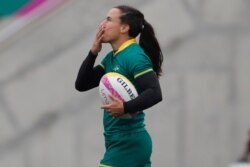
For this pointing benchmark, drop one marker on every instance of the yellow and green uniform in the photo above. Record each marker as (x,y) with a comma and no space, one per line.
(126,140)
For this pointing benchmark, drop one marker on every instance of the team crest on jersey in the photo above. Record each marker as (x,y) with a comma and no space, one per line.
(117,68)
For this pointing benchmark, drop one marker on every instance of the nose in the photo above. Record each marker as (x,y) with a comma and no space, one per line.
(103,23)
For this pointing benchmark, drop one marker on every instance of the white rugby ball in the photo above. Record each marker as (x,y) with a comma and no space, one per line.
(119,86)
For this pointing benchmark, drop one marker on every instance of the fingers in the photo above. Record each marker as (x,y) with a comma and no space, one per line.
(100,30)
(97,45)
(115,108)
(99,35)
(106,107)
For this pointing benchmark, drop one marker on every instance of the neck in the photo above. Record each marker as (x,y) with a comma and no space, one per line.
(116,44)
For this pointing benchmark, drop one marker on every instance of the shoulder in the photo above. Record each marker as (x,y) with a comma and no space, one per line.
(137,61)
(135,48)
(135,54)
(108,55)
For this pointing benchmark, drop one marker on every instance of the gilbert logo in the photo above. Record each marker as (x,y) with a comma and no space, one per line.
(126,87)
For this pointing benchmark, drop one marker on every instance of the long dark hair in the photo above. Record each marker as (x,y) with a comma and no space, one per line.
(138,25)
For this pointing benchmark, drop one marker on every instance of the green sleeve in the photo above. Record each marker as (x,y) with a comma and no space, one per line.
(139,64)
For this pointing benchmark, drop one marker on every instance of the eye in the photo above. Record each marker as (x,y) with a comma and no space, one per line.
(108,19)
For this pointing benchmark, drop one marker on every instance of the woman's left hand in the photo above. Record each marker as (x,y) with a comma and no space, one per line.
(115,108)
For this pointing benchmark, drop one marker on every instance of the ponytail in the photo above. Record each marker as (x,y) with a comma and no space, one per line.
(151,46)
(138,25)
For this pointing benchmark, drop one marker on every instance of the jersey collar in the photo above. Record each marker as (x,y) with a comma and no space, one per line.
(125,45)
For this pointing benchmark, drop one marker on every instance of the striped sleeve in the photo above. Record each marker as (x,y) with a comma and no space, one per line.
(143,72)
(139,65)
(102,66)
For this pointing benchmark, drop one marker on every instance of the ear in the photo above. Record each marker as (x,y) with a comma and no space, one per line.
(124,28)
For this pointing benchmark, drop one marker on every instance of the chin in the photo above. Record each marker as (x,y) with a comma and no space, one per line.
(105,41)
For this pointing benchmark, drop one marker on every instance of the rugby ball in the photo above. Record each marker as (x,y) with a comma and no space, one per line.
(119,86)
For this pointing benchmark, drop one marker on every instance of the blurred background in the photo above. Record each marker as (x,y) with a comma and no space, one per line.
(203,120)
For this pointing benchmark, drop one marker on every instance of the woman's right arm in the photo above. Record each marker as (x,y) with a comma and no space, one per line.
(88,76)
